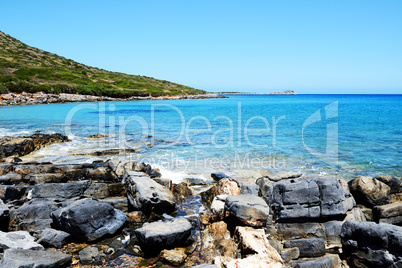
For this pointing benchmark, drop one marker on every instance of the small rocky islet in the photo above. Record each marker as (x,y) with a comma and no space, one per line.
(120,213)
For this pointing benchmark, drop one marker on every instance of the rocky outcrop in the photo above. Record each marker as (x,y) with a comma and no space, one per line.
(146,195)
(367,244)
(251,210)
(23,145)
(17,258)
(89,220)
(159,235)
(308,199)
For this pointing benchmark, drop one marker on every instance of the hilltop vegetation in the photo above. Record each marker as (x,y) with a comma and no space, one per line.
(25,68)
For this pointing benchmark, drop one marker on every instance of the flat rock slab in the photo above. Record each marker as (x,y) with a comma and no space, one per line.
(146,195)
(301,200)
(371,244)
(308,247)
(53,238)
(60,190)
(18,240)
(159,235)
(18,258)
(89,219)
(249,209)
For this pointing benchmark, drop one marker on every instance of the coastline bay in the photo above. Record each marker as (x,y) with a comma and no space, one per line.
(243,132)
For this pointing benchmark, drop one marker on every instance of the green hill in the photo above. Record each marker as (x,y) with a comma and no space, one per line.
(25,68)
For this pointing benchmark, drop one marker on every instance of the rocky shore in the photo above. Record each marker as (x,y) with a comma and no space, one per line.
(45,98)
(124,214)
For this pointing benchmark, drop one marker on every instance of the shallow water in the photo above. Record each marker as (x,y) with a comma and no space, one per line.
(342,135)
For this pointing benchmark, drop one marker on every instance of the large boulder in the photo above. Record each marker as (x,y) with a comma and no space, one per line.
(22,145)
(159,235)
(367,244)
(249,209)
(21,258)
(89,219)
(299,200)
(34,215)
(147,195)
(368,191)
(60,190)
(18,240)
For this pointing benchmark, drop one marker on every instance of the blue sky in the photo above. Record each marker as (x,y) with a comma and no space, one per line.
(333,46)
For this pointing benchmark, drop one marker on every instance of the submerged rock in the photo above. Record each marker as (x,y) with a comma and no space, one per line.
(147,195)
(249,209)
(18,258)
(89,219)
(155,236)
(219,176)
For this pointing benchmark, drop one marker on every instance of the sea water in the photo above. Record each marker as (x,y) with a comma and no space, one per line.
(340,135)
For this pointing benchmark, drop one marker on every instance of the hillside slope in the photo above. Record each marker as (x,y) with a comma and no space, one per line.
(25,68)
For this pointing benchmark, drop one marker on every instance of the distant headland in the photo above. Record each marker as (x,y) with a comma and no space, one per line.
(284,92)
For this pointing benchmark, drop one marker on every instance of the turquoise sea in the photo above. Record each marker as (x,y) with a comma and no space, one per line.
(342,135)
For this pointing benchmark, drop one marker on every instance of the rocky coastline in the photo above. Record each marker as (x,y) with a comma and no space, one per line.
(47,98)
(124,214)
